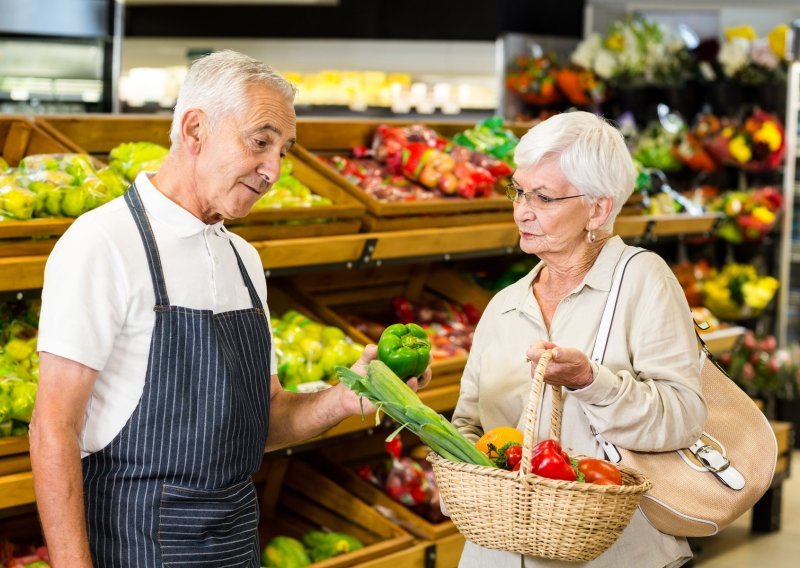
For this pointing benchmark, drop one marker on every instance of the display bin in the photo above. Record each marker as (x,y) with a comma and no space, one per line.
(20,137)
(295,498)
(98,134)
(339,462)
(330,137)
(368,293)
(16,479)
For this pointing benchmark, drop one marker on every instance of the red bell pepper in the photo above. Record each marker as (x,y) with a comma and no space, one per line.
(550,461)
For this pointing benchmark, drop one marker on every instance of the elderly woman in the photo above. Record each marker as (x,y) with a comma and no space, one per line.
(573,175)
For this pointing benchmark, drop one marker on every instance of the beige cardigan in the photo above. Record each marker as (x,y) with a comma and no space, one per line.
(645,396)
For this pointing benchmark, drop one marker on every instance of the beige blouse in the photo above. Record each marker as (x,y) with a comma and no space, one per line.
(645,396)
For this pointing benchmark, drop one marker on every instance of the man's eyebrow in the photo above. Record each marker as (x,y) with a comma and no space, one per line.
(272,128)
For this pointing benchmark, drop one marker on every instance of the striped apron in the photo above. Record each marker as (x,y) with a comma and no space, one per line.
(174,488)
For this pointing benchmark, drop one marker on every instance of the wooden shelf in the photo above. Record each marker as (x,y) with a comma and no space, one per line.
(722,339)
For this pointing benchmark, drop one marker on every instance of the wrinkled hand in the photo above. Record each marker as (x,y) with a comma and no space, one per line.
(569,367)
(353,403)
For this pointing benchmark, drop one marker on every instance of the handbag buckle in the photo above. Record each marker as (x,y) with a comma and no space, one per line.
(711,459)
(718,464)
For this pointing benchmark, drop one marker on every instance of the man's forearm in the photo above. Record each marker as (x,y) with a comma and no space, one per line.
(58,482)
(296,417)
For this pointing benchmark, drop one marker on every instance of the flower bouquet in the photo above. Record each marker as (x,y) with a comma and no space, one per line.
(653,148)
(738,292)
(760,368)
(534,78)
(581,86)
(750,60)
(757,145)
(636,52)
(749,215)
(690,148)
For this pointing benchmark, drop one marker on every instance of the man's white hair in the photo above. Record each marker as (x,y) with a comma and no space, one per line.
(217,84)
(591,153)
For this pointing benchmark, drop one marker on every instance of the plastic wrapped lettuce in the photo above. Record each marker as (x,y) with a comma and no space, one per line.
(21,396)
(16,202)
(130,158)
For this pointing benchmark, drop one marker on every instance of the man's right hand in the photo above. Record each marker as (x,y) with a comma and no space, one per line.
(64,390)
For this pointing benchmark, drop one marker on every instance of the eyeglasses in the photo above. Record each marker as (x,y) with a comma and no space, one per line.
(534,199)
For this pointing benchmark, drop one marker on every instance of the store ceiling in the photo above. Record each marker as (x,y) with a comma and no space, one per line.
(231,2)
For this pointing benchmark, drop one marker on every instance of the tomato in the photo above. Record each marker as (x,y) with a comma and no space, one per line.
(599,472)
(513,457)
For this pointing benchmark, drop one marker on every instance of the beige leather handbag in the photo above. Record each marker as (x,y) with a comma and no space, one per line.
(699,490)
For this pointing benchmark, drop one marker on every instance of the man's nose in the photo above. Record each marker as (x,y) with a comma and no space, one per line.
(270,169)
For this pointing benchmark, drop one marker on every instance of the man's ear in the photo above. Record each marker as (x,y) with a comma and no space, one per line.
(193,129)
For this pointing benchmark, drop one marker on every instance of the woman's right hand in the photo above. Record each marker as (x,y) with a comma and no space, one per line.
(569,367)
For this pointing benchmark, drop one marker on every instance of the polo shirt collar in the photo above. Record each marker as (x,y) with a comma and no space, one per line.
(163,209)
(599,276)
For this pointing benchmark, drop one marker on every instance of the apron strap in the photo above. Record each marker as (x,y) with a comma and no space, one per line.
(247,281)
(146,231)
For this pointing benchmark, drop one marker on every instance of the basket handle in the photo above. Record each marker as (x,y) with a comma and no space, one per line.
(533,412)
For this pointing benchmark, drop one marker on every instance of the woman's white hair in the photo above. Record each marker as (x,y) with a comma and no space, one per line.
(217,84)
(591,153)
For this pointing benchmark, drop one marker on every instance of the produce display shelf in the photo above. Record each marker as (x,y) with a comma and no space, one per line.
(368,294)
(98,134)
(19,137)
(295,498)
(724,339)
(328,137)
(22,262)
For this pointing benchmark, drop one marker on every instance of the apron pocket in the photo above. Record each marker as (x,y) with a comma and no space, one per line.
(209,527)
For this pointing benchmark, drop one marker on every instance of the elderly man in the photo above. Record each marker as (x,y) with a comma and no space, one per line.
(157,381)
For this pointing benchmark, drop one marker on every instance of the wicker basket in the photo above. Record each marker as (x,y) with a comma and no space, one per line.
(532,515)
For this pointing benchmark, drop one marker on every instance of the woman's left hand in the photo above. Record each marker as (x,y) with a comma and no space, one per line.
(568,368)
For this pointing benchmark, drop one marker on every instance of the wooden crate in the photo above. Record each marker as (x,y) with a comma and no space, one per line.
(295,498)
(16,479)
(368,293)
(99,134)
(339,461)
(326,137)
(344,475)
(20,137)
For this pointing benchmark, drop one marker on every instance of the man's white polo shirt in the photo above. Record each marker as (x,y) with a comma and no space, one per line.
(98,298)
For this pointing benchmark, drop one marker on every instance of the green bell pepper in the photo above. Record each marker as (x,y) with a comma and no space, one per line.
(405,349)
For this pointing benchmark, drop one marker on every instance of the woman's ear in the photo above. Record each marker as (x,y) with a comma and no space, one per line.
(599,213)
(193,125)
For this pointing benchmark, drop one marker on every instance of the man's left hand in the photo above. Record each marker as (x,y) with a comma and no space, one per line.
(353,403)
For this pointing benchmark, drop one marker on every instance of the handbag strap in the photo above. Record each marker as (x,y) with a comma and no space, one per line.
(604,330)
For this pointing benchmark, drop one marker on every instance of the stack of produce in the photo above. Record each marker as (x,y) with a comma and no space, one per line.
(130,158)
(406,480)
(315,546)
(289,191)
(449,326)
(15,555)
(19,366)
(490,137)
(308,351)
(414,162)
(54,185)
